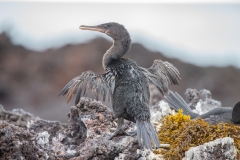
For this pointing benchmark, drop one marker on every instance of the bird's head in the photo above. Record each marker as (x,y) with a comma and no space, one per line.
(112,29)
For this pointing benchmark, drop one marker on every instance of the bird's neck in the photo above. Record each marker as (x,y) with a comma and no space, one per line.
(116,51)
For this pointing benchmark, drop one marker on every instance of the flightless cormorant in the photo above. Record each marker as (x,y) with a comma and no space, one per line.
(125,83)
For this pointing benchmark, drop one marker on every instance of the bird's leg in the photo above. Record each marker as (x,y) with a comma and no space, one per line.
(119,126)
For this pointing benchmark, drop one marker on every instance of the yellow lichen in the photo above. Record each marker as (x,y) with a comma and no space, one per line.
(181,133)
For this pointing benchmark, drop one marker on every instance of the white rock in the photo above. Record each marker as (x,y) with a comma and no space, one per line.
(207,105)
(43,138)
(220,149)
(166,110)
(71,152)
(147,154)
(156,116)
(160,110)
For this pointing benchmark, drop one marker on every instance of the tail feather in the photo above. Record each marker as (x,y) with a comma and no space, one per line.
(146,139)
(147,136)
(152,133)
(177,102)
(139,134)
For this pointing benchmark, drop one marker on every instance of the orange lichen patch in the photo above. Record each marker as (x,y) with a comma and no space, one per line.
(181,133)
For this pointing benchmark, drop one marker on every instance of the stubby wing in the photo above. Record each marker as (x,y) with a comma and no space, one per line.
(161,74)
(99,84)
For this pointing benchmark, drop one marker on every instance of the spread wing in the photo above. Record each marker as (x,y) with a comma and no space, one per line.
(81,85)
(161,74)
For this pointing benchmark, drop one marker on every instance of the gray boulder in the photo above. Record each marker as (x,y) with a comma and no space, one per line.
(220,149)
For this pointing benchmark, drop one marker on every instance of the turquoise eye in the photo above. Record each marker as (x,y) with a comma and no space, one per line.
(105,26)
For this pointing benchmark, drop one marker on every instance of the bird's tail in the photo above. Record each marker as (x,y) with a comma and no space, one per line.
(147,136)
(176,102)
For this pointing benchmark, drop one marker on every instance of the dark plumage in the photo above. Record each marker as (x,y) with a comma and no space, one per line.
(216,115)
(236,113)
(126,83)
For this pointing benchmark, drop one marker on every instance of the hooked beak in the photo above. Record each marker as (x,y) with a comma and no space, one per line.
(92,28)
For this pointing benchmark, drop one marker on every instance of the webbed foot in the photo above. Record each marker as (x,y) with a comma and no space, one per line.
(118,129)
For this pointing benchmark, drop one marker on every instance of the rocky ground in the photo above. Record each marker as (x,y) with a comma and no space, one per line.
(85,136)
(24,136)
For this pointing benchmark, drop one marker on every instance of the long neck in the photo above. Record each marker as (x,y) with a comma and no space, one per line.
(116,51)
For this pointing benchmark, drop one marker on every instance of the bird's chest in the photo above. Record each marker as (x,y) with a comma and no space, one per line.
(129,75)
(126,72)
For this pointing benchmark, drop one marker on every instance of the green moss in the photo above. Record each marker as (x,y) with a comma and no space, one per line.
(181,133)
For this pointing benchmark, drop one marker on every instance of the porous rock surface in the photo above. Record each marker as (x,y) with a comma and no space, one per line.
(201,101)
(220,149)
(16,117)
(85,136)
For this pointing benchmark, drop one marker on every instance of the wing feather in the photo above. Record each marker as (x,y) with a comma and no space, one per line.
(78,96)
(99,84)
(161,74)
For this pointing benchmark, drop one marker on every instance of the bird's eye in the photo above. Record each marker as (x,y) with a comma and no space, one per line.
(105,26)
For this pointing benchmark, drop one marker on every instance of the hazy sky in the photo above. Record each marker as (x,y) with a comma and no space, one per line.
(200,33)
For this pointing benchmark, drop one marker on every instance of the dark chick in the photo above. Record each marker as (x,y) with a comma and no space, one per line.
(125,83)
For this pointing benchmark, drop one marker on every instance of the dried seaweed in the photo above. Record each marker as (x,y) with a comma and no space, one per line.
(181,133)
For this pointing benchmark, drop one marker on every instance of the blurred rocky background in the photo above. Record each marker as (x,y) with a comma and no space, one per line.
(31,80)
